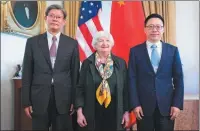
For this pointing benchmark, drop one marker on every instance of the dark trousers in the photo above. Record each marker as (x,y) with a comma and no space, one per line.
(105,118)
(52,118)
(156,122)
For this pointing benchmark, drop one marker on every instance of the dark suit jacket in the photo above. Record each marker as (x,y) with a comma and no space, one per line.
(85,92)
(38,73)
(164,87)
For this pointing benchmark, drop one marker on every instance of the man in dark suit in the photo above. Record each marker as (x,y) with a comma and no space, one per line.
(50,73)
(156,79)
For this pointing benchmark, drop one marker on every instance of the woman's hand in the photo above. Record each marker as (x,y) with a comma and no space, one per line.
(125,119)
(81,118)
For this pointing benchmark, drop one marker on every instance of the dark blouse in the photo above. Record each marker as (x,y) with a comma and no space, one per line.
(105,118)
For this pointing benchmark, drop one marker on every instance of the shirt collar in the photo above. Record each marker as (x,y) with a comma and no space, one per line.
(149,44)
(49,35)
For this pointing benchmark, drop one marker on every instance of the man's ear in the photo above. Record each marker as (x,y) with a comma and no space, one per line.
(45,18)
(65,21)
(145,30)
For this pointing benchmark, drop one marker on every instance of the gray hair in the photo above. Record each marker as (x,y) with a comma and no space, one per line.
(101,34)
(57,7)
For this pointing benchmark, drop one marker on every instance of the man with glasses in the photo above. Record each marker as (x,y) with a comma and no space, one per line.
(50,73)
(155,79)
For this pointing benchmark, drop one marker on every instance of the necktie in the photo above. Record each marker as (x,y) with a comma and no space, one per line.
(53,51)
(53,47)
(155,59)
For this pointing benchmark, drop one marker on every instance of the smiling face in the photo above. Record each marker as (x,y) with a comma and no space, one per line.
(103,45)
(154,30)
(55,20)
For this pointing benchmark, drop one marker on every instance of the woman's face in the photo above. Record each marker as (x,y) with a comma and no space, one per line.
(103,45)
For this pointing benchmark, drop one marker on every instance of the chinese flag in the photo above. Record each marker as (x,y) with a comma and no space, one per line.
(126,26)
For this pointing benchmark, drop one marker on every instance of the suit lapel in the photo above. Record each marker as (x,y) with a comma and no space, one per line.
(163,57)
(43,43)
(92,67)
(146,56)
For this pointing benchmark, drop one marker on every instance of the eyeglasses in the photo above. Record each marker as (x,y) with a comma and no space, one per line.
(158,27)
(54,16)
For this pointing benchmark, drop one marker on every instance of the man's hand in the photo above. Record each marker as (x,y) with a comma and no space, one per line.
(174,112)
(138,112)
(28,111)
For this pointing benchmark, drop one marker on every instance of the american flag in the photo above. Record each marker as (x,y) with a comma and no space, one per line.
(88,25)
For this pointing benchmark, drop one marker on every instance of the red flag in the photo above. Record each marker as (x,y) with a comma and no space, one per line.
(126,26)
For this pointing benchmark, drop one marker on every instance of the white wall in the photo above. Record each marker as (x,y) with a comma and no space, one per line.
(12,50)
(187,28)
(187,36)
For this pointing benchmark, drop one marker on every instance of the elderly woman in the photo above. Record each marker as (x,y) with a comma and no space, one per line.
(102,91)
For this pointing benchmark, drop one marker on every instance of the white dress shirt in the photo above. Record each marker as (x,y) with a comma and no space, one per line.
(50,41)
(159,48)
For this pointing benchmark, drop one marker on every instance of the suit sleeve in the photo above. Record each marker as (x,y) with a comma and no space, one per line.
(79,101)
(132,80)
(75,66)
(27,73)
(177,75)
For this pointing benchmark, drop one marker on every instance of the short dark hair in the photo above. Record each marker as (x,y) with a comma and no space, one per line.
(55,6)
(154,16)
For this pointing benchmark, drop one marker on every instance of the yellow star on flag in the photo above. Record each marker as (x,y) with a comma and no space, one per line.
(121,2)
